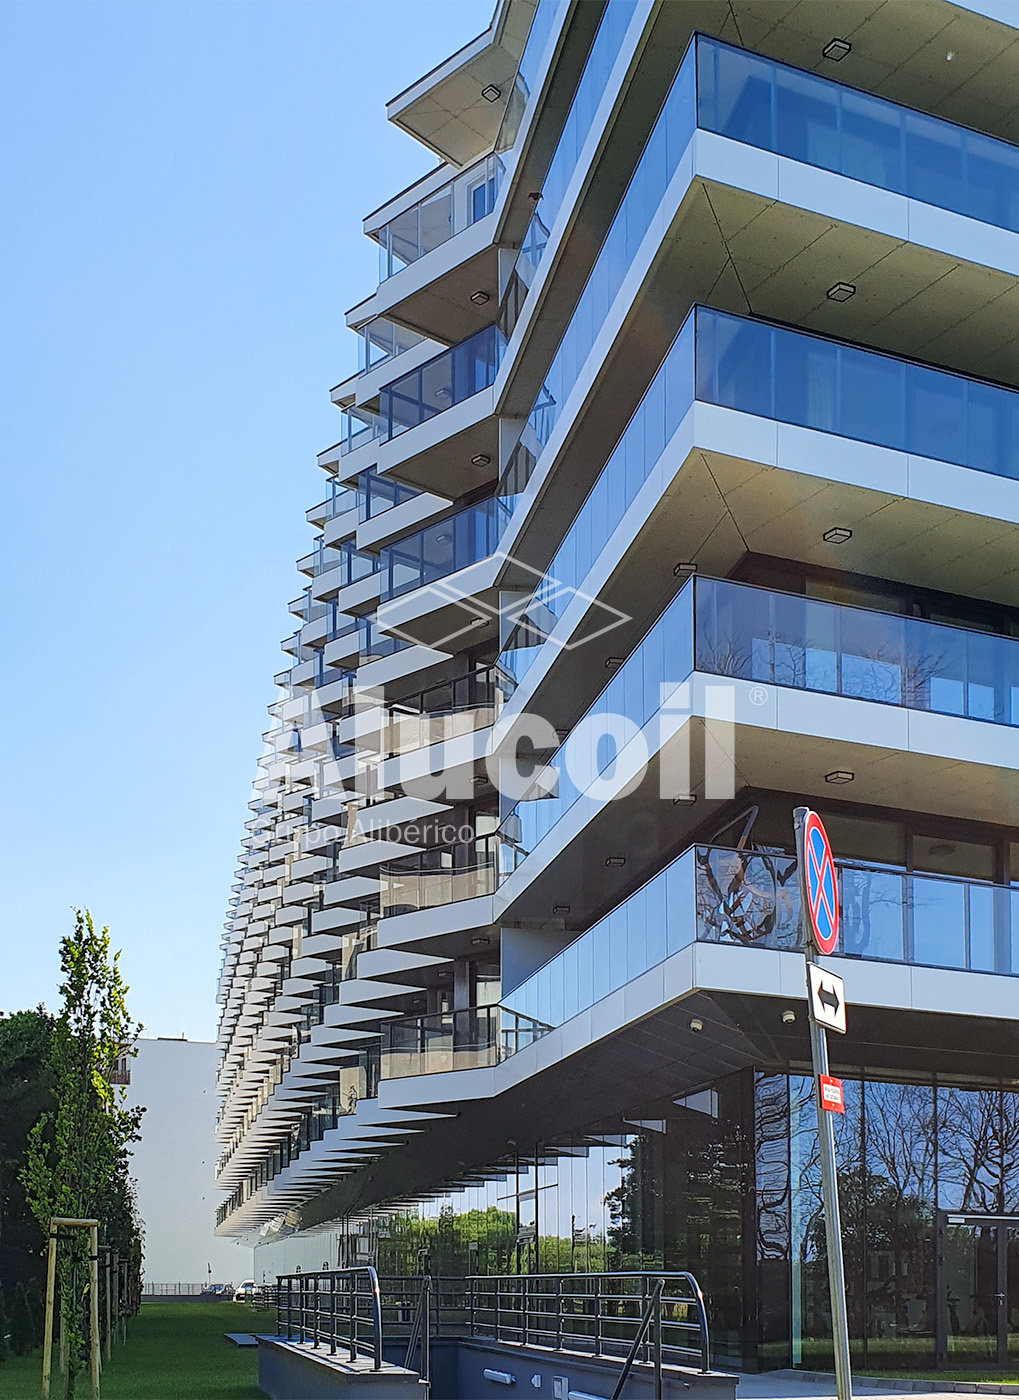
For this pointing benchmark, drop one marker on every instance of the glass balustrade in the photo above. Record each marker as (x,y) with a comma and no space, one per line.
(377,494)
(439,216)
(657,165)
(791,376)
(406,891)
(736,630)
(473,1038)
(808,644)
(775,107)
(443,547)
(542,22)
(750,899)
(379,340)
(820,122)
(358,426)
(603,53)
(448,378)
(373,643)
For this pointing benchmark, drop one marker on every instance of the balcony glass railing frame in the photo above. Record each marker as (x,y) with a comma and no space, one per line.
(443,547)
(739,631)
(448,378)
(475,1037)
(798,377)
(465,199)
(818,121)
(751,899)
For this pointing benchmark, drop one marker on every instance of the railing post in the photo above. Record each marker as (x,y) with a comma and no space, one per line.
(352,1297)
(658,1341)
(597,1315)
(525,1308)
(498,1324)
(332,1314)
(559,1312)
(426,1335)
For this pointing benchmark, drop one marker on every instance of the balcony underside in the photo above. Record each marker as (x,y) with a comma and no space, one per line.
(731,484)
(613,1063)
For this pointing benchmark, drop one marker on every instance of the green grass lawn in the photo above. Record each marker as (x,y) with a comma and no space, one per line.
(174,1351)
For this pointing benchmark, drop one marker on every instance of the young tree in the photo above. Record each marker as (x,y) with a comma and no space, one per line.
(3,1327)
(77,1153)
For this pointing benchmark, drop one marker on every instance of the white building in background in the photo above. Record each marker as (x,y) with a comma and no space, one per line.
(173,1164)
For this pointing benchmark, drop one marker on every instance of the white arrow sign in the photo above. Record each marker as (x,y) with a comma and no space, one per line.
(827,998)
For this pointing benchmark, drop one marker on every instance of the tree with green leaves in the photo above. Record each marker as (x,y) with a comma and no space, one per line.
(77,1154)
(26,1093)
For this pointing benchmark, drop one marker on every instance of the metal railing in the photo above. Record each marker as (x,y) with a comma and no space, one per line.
(604,1314)
(642,1317)
(339,1309)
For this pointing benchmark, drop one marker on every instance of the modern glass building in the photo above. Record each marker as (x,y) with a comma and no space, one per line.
(678,486)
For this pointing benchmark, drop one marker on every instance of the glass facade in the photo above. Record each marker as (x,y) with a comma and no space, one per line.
(725,1182)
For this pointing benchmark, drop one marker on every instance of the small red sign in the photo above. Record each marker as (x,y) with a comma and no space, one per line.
(831,1094)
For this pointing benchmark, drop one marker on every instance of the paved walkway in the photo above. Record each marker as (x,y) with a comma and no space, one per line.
(788,1385)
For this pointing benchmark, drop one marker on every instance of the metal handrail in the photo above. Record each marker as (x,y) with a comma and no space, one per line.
(422,1330)
(317,1314)
(613,1315)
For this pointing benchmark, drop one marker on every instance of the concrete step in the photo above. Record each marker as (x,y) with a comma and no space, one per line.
(299,1371)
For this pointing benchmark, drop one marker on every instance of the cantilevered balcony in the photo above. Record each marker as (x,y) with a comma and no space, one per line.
(827,433)
(771,647)
(458,453)
(474,1038)
(437,216)
(714,895)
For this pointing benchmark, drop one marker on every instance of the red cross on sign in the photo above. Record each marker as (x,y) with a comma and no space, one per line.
(831,1094)
(821,885)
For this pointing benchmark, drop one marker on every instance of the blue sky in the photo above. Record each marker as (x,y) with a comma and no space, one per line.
(180,240)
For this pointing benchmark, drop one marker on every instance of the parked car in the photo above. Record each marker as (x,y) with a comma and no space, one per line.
(218,1292)
(245,1292)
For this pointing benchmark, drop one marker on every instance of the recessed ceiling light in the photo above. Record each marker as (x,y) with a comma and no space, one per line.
(686,567)
(480,459)
(686,799)
(615,860)
(443,538)
(560,908)
(612,661)
(480,780)
(443,392)
(479,297)
(480,942)
(696,1024)
(839,776)
(837,49)
(491,93)
(949,56)
(838,534)
(841,291)
(478,621)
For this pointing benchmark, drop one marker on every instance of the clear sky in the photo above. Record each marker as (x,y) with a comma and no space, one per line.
(182,188)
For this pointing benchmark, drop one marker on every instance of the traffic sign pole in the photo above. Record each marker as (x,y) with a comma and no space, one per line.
(826,1143)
